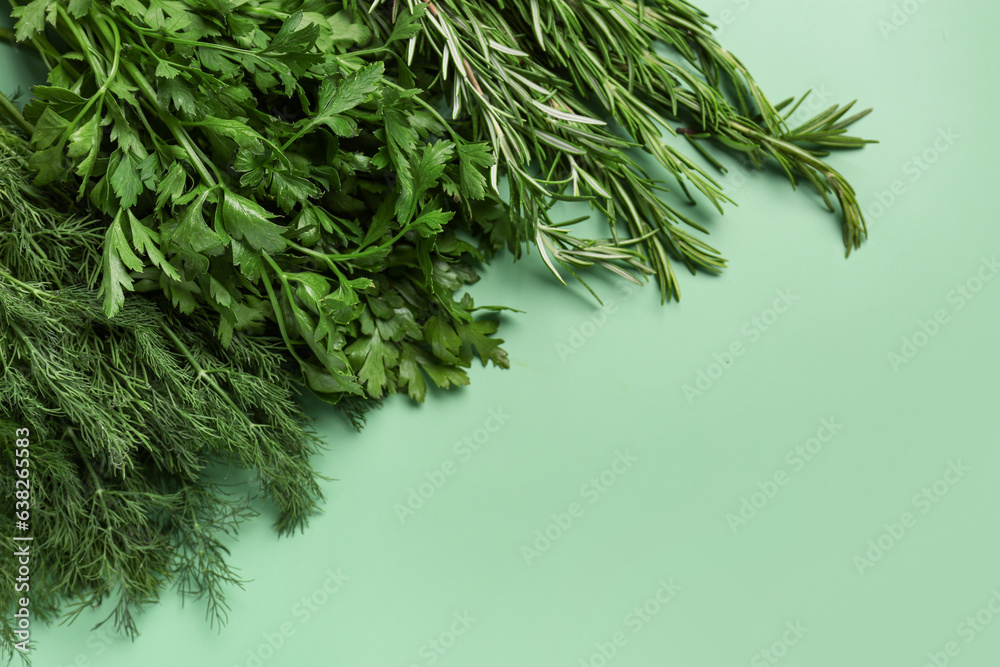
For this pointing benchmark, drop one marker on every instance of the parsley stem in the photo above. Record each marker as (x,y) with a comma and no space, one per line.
(269,13)
(8,109)
(329,257)
(171,122)
(186,42)
(298,135)
(362,253)
(279,316)
(319,255)
(89,51)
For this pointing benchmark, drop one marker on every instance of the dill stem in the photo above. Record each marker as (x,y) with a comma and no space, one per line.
(202,374)
(99,494)
(25,286)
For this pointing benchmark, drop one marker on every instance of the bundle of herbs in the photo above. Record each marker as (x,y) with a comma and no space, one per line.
(230,199)
(253,163)
(571,93)
(120,420)
(278,211)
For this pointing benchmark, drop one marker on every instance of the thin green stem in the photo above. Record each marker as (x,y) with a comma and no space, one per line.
(318,255)
(276,305)
(8,109)
(99,493)
(202,375)
(44,296)
(89,52)
(172,124)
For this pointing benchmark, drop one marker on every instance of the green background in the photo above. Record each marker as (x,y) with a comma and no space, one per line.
(398,584)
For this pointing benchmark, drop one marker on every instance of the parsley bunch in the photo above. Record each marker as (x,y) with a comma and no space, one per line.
(253,163)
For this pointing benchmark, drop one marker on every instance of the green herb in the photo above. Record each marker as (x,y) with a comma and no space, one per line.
(564,90)
(253,167)
(128,414)
(277,180)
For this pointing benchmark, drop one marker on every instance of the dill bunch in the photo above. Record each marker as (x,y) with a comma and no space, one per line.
(126,417)
(569,93)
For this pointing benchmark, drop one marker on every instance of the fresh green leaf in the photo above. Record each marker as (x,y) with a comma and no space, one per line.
(118,258)
(248,221)
(473,161)
(146,241)
(124,172)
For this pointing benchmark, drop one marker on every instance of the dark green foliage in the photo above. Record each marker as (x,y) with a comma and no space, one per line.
(253,167)
(564,89)
(231,200)
(125,414)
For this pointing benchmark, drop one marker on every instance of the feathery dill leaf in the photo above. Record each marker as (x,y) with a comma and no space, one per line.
(126,415)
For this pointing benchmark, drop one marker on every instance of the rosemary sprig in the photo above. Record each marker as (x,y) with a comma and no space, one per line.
(549,83)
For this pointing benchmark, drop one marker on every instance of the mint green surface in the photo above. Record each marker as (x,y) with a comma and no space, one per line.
(654,564)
